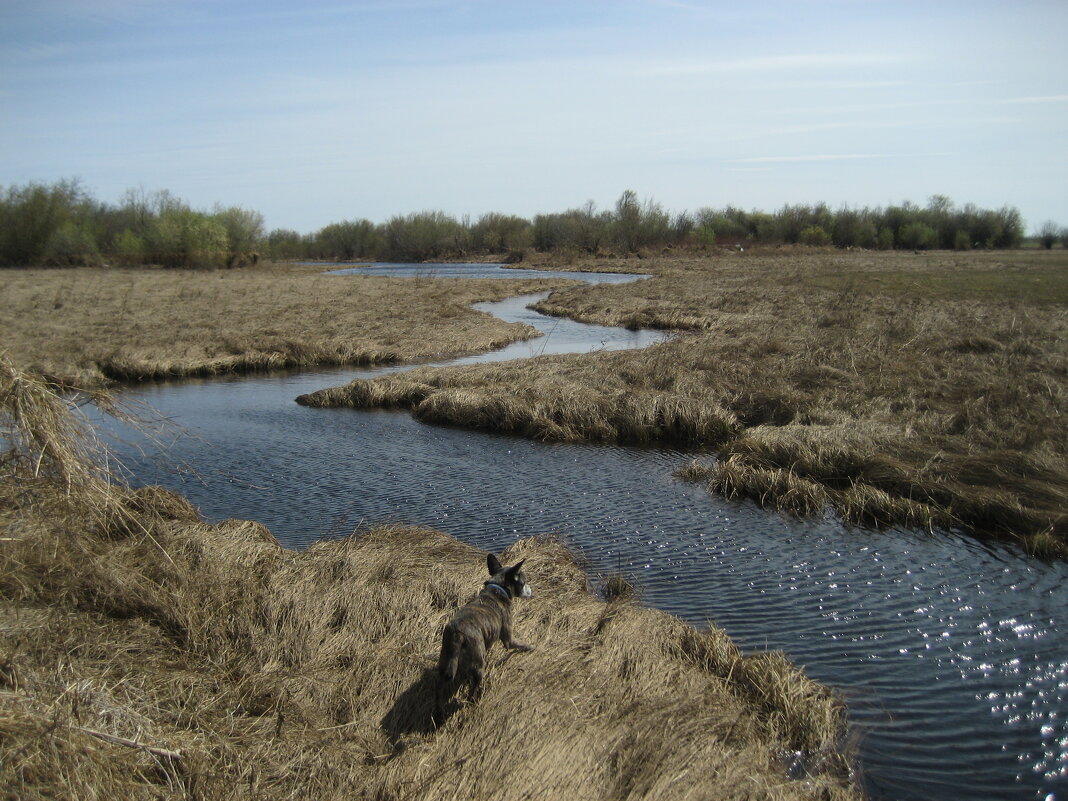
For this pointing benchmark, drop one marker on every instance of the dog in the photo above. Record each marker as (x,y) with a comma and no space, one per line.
(475,627)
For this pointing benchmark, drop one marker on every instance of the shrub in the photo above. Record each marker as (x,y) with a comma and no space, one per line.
(1048,234)
(814,235)
(917,236)
(129,248)
(729,224)
(423,235)
(498,233)
(627,221)
(581,229)
(187,238)
(31,215)
(961,241)
(244,231)
(705,235)
(71,245)
(283,243)
(348,240)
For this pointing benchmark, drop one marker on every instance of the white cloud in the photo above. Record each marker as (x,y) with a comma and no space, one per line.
(800,61)
(820,157)
(1040,99)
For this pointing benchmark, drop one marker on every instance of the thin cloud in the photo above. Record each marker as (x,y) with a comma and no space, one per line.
(774,63)
(835,85)
(820,157)
(1039,99)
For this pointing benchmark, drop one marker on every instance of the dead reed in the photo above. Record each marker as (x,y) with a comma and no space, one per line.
(923,390)
(172,658)
(90,326)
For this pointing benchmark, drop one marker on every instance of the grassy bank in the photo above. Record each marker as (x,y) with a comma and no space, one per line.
(87,326)
(918,389)
(146,654)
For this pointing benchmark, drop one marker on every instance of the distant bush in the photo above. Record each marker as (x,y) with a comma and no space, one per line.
(727,225)
(186,238)
(244,232)
(71,245)
(422,236)
(129,248)
(636,225)
(61,224)
(1048,234)
(917,236)
(31,216)
(346,241)
(501,233)
(583,229)
(283,243)
(814,235)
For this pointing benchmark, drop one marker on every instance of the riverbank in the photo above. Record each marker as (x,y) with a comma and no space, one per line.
(148,654)
(90,326)
(925,390)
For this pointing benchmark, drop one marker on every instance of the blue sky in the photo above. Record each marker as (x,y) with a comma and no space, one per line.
(316,111)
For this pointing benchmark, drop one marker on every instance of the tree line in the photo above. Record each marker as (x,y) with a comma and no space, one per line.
(62,224)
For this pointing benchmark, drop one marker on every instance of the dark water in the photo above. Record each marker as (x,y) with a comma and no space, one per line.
(953,655)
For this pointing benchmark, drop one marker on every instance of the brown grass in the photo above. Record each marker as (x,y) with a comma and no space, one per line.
(145,654)
(85,326)
(923,390)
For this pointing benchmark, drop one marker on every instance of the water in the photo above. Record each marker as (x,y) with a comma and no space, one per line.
(952,654)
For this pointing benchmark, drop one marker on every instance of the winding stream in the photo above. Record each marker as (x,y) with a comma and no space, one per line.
(952,654)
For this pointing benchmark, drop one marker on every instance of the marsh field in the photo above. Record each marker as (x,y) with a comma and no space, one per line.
(924,390)
(88,326)
(145,653)
(195,660)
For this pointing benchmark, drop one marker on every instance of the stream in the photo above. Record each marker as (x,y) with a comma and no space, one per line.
(952,654)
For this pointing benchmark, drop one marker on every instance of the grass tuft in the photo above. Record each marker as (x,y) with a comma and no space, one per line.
(170,658)
(897,391)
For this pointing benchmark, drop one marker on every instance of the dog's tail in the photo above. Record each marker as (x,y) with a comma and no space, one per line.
(451,640)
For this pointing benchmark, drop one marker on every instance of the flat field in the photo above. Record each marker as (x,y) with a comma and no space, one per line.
(86,326)
(919,389)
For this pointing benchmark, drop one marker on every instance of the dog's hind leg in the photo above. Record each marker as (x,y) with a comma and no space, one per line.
(451,644)
(448,661)
(477,652)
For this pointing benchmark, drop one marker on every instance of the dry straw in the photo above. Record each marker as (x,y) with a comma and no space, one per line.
(894,389)
(173,658)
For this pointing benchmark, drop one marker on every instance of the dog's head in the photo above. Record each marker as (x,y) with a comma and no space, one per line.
(510,578)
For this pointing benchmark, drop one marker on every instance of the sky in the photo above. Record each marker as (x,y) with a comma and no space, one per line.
(317,111)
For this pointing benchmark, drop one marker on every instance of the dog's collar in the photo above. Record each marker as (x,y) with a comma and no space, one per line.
(503,591)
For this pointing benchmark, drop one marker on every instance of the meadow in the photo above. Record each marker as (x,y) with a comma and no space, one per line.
(88,326)
(147,654)
(925,389)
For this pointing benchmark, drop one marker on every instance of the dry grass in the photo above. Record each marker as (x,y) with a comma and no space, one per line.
(145,654)
(85,326)
(923,390)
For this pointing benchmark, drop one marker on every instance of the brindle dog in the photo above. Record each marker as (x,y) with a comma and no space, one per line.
(475,627)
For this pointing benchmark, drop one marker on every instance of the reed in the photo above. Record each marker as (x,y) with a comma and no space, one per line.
(535,400)
(894,389)
(94,326)
(173,658)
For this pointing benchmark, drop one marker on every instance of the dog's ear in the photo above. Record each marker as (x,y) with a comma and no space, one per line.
(493,565)
(514,569)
